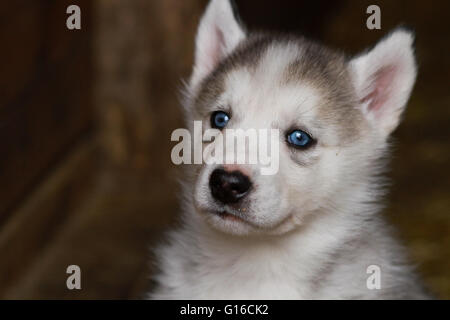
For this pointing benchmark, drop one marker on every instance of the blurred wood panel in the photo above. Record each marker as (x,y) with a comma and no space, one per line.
(109,235)
(45,97)
(20,43)
(39,217)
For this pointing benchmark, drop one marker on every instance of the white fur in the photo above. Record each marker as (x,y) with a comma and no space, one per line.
(395,52)
(218,34)
(313,228)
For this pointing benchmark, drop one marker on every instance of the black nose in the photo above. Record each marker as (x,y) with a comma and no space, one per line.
(229,187)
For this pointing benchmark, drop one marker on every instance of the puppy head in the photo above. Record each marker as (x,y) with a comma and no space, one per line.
(333,116)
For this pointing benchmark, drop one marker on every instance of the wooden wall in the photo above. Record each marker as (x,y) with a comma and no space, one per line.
(45,97)
(46,112)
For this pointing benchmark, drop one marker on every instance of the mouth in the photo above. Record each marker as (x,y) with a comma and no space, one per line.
(227,216)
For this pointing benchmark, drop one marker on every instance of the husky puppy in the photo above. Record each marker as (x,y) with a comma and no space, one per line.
(313,229)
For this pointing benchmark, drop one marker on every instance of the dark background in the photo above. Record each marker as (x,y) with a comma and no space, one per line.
(85,124)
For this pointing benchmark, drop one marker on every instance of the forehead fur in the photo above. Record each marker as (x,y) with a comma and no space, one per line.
(291,61)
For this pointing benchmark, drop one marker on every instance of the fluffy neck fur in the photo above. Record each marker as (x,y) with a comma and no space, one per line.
(206,264)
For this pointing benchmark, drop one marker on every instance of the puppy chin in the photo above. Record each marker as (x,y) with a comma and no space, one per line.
(234,223)
(226,222)
(231,225)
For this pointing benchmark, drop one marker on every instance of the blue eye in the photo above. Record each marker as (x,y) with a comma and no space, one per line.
(219,119)
(299,138)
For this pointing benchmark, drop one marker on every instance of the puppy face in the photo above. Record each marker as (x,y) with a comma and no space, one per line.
(333,117)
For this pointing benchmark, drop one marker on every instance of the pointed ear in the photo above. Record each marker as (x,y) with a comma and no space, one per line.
(217,35)
(384,77)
